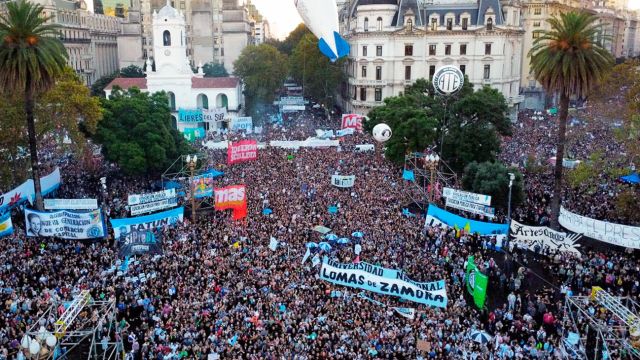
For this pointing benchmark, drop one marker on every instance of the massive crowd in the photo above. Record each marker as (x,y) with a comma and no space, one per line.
(218,291)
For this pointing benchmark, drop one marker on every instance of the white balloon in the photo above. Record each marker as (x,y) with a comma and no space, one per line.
(34,348)
(51,340)
(381,133)
(26,340)
(42,333)
(321,17)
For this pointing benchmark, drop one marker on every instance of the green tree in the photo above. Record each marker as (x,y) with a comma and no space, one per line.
(214,69)
(31,57)
(293,39)
(492,178)
(137,132)
(318,75)
(568,61)
(132,71)
(263,70)
(97,89)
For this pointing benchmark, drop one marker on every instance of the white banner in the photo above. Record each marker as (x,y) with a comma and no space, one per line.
(64,224)
(365,148)
(343,181)
(241,123)
(70,204)
(409,313)
(529,237)
(293,108)
(616,234)
(460,195)
(214,115)
(471,207)
(136,199)
(153,206)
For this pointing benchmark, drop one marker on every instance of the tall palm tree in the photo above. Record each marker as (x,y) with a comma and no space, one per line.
(568,60)
(31,57)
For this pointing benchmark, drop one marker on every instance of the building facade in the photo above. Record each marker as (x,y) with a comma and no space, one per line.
(236,32)
(130,38)
(173,73)
(393,43)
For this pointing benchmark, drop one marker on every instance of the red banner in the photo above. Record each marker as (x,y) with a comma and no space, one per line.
(244,150)
(230,197)
(352,121)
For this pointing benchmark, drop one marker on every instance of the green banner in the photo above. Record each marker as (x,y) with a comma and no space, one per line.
(191,134)
(476,283)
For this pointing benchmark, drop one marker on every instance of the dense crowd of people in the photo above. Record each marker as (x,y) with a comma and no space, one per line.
(219,291)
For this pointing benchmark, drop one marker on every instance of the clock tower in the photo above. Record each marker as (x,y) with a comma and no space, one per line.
(169,44)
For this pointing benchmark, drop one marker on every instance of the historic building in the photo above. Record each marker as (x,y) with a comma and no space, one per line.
(173,74)
(395,42)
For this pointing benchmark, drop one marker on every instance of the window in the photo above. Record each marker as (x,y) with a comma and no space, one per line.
(166,38)
(536,34)
(490,24)
(432,71)
(182,5)
(449,23)
(487,48)
(203,101)
(434,24)
(536,24)
(410,24)
(144,54)
(354,92)
(487,72)
(432,50)
(363,94)
(364,50)
(465,23)
(447,49)
(463,69)
(379,50)
(408,50)
(379,22)
(364,72)
(537,11)
(366,24)
(378,72)
(463,49)
(407,72)
(378,94)
(172,101)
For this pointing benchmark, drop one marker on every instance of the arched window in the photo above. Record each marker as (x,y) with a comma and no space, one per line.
(172,101)
(222,101)
(379,21)
(490,24)
(166,38)
(203,101)
(410,24)
(366,24)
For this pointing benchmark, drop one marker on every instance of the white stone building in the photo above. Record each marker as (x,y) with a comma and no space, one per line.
(173,74)
(395,42)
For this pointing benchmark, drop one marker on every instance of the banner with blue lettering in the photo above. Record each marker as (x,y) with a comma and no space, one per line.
(190,115)
(65,224)
(436,216)
(242,123)
(383,281)
(6,226)
(141,234)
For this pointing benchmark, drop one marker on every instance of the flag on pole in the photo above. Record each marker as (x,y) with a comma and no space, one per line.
(476,283)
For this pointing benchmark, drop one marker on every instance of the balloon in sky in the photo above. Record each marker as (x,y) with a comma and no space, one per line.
(321,17)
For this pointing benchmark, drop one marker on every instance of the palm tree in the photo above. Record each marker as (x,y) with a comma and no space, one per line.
(31,57)
(568,60)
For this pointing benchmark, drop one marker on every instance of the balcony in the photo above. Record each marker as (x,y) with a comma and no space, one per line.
(75,41)
(366,104)
(367,82)
(486,81)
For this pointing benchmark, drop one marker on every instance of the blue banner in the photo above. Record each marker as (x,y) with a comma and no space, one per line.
(408,175)
(436,216)
(190,115)
(384,281)
(6,226)
(26,191)
(126,226)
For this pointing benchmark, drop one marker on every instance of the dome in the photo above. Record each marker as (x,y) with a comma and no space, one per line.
(168,11)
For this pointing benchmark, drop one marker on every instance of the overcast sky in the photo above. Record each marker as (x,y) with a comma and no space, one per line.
(282,15)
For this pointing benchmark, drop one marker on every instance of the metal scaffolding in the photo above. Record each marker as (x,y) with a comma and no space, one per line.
(604,324)
(419,191)
(80,330)
(180,172)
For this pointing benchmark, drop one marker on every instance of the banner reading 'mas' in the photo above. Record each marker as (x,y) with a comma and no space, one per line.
(383,281)
(230,197)
(65,224)
(240,151)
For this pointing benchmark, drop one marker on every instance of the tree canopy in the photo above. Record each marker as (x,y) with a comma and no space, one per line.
(137,132)
(292,40)
(319,76)
(469,122)
(132,71)
(214,69)
(492,178)
(263,70)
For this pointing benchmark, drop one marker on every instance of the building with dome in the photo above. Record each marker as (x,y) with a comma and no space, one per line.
(395,42)
(171,72)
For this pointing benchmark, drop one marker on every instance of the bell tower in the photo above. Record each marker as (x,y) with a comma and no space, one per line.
(169,42)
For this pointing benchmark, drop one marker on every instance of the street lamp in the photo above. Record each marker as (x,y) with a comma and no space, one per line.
(512,177)
(192,161)
(431,163)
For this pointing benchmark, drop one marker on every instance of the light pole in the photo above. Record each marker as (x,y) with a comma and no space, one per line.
(192,166)
(512,177)
(431,163)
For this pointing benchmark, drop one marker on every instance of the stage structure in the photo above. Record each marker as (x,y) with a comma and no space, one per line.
(425,172)
(606,327)
(78,333)
(182,171)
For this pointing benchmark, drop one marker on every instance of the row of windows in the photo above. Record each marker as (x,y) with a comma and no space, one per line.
(432,70)
(378,50)
(377,94)
(408,49)
(363,72)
